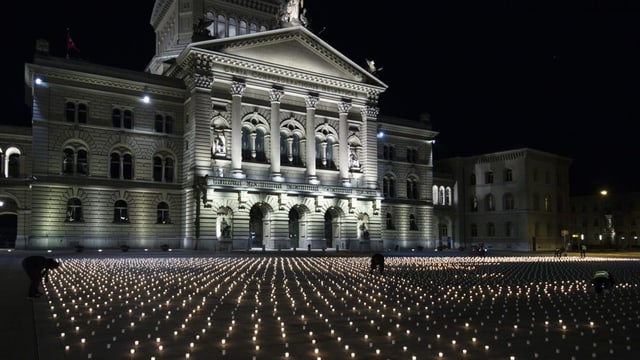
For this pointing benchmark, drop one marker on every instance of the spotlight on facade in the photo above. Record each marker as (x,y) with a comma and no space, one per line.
(145,95)
(380,133)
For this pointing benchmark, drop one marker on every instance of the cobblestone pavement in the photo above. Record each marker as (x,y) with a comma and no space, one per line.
(284,305)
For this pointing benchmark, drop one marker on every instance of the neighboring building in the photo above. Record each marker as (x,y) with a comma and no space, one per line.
(15,183)
(516,199)
(605,220)
(405,171)
(224,143)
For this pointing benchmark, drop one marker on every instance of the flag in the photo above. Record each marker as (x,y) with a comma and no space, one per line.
(70,44)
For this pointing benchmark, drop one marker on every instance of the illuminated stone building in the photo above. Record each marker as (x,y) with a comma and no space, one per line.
(246,131)
(510,200)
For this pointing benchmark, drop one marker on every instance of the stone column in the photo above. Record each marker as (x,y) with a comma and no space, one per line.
(276,96)
(311,102)
(237,88)
(370,162)
(343,136)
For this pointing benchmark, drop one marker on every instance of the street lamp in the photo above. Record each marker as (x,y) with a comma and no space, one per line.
(608,215)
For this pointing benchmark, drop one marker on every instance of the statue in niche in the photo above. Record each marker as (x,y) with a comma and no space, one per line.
(226,228)
(353,160)
(219,144)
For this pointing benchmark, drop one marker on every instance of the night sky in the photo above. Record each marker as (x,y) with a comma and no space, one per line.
(557,76)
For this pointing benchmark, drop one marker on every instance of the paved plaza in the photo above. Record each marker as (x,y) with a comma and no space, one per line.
(193,305)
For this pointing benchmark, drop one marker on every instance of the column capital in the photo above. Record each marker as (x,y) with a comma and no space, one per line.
(311,101)
(370,112)
(202,81)
(237,88)
(344,107)
(276,94)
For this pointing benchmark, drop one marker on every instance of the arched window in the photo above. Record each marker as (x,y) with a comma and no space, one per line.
(489,203)
(221,30)
(260,151)
(122,118)
(412,188)
(163,213)
(75,162)
(434,195)
(390,225)
(232,27)
(120,212)
(413,225)
(168,170)
(163,167)
(127,167)
(246,147)
(115,166)
(14,165)
(389,186)
(243,27)
(67,162)
(163,124)
(474,204)
(82,162)
(74,210)
(448,196)
(121,166)
(330,144)
(441,199)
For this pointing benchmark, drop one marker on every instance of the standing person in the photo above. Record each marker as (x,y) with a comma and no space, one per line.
(583,250)
(377,261)
(37,268)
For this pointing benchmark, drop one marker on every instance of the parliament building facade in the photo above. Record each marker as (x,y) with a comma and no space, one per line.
(246,131)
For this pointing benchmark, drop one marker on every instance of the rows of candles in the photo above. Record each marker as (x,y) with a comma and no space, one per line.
(326,307)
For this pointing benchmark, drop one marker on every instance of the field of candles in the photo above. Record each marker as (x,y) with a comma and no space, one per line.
(333,307)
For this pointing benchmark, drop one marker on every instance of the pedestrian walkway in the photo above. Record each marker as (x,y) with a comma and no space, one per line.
(270,305)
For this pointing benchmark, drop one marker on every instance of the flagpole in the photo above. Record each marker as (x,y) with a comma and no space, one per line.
(67,43)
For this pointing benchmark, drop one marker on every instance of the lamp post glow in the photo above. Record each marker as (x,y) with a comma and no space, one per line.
(608,215)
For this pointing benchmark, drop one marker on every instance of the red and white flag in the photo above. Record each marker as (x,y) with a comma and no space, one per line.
(70,44)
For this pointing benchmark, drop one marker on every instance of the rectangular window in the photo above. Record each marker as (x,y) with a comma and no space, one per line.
(488,177)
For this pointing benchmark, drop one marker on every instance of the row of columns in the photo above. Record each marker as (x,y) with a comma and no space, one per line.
(237,89)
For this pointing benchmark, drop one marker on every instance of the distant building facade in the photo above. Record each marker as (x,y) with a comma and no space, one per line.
(516,199)
(606,220)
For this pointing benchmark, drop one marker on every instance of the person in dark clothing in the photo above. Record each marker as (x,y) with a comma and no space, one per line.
(602,281)
(37,268)
(377,261)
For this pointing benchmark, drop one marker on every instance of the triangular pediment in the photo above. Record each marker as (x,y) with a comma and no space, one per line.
(295,48)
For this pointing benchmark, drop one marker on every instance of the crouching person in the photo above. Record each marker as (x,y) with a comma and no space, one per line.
(602,281)
(377,261)
(37,268)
